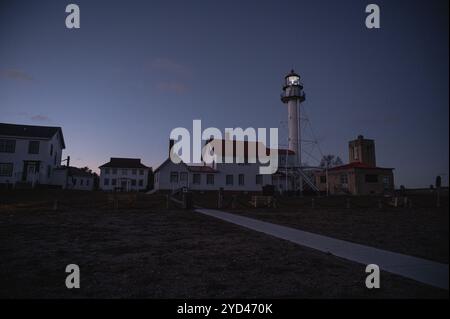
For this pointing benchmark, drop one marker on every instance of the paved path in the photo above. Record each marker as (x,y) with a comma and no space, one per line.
(422,270)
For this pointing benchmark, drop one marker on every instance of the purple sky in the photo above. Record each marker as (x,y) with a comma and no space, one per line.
(137,69)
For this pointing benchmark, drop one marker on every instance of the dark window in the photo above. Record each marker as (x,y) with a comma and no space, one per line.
(114,171)
(6,169)
(51,149)
(107,171)
(74,180)
(323,179)
(33,147)
(133,182)
(241,179)
(141,172)
(174,177)
(49,171)
(134,171)
(141,182)
(210,179)
(54,160)
(196,179)
(106,181)
(7,146)
(87,182)
(371,178)
(81,182)
(183,177)
(114,182)
(259,179)
(229,180)
(344,179)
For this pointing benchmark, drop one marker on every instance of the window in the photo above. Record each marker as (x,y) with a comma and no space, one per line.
(141,172)
(81,182)
(51,149)
(133,182)
(259,179)
(134,171)
(49,171)
(386,182)
(106,181)
(241,179)
(74,181)
(33,147)
(7,146)
(114,182)
(196,179)
(141,182)
(323,179)
(371,178)
(183,177)
(87,182)
(344,178)
(6,169)
(54,160)
(174,177)
(114,171)
(229,180)
(124,172)
(106,171)
(210,179)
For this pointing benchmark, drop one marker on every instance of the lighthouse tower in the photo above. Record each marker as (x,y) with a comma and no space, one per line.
(293,95)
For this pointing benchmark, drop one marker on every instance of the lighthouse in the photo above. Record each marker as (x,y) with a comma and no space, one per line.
(293,95)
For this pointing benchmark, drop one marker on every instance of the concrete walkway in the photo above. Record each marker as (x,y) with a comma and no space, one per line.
(422,270)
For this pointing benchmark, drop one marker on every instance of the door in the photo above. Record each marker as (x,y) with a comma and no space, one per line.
(31,173)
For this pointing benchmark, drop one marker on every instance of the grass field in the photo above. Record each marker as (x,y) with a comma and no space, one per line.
(144,250)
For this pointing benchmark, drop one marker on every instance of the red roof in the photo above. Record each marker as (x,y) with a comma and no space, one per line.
(202,169)
(356,165)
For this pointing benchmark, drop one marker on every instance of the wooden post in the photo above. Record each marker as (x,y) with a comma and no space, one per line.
(234,202)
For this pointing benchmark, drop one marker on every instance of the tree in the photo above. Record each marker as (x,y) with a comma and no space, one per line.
(329,161)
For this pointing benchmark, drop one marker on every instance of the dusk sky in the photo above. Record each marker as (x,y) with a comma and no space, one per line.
(137,69)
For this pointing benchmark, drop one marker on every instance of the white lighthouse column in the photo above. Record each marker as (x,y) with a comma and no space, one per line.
(293,129)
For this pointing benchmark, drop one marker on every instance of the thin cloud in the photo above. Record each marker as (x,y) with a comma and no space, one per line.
(40,118)
(172,87)
(169,66)
(17,75)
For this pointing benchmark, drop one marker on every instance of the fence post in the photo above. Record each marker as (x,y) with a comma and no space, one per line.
(233,202)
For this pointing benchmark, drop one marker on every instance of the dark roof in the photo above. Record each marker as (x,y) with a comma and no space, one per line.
(18,130)
(75,171)
(117,162)
(356,165)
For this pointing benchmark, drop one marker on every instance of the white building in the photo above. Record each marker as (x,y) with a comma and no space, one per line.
(229,176)
(124,174)
(29,154)
(73,178)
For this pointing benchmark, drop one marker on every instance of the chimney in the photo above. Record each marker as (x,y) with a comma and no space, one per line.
(171,143)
